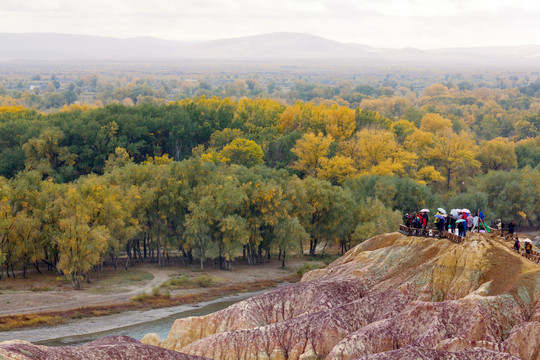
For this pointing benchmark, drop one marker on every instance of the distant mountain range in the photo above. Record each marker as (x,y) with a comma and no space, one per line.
(267,47)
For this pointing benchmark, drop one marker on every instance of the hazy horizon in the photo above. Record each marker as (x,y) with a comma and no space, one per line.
(421,24)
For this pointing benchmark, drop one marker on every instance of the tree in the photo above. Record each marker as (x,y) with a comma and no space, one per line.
(330,209)
(498,154)
(337,169)
(310,149)
(454,154)
(289,235)
(26,234)
(47,155)
(341,122)
(528,152)
(402,129)
(435,124)
(242,152)
(376,152)
(81,241)
(374,218)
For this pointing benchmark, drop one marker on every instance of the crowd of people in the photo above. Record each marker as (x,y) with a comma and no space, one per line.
(458,221)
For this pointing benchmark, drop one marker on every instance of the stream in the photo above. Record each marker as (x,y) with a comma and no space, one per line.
(161,327)
(135,324)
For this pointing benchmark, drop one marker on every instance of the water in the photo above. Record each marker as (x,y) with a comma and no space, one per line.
(161,326)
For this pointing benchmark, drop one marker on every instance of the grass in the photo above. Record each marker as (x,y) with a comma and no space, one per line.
(27,320)
(116,281)
(317,262)
(187,282)
(156,295)
(40,288)
(308,266)
(326,259)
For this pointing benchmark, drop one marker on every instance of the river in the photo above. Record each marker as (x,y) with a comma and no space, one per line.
(132,323)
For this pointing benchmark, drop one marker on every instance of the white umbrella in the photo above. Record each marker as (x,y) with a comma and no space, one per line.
(454,213)
(466,211)
(424,210)
(441,210)
(526,240)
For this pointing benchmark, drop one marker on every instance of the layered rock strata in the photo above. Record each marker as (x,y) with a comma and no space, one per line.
(113,347)
(392,297)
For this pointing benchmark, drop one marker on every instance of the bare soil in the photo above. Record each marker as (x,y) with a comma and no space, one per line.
(46,292)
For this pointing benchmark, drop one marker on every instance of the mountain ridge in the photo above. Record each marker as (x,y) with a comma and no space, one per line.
(263,47)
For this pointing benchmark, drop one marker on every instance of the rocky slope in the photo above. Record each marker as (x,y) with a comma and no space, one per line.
(113,347)
(392,297)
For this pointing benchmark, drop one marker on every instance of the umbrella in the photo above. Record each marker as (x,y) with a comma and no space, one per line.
(460,220)
(454,213)
(424,210)
(526,240)
(439,217)
(441,210)
(466,210)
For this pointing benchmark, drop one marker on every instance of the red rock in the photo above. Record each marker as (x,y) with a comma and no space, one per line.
(113,347)
(430,354)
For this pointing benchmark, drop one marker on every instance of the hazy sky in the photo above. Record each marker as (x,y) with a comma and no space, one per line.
(381,23)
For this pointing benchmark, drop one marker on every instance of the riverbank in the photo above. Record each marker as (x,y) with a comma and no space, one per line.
(89,329)
(43,300)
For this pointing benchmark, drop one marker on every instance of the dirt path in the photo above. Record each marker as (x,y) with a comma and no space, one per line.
(19,296)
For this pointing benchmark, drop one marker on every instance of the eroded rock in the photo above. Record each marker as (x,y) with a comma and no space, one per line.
(113,347)
(392,297)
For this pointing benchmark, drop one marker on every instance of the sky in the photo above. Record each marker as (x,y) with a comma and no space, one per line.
(423,24)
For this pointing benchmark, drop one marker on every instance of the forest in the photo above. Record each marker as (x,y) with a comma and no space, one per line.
(246,175)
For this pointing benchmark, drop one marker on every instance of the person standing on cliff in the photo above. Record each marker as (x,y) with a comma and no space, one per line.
(517,245)
(499,227)
(511,228)
(528,247)
(425,220)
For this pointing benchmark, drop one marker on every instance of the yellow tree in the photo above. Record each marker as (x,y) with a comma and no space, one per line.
(419,142)
(337,169)
(498,154)
(435,124)
(81,241)
(304,117)
(341,122)
(114,208)
(242,152)
(25,233)
(310,149)
(376,152)
(428,175)
(454,154)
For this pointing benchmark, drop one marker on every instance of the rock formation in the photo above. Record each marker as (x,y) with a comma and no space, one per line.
(113,347)
(392,297)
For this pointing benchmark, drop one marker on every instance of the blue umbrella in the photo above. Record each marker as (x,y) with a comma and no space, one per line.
(460,220)
(439,217)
